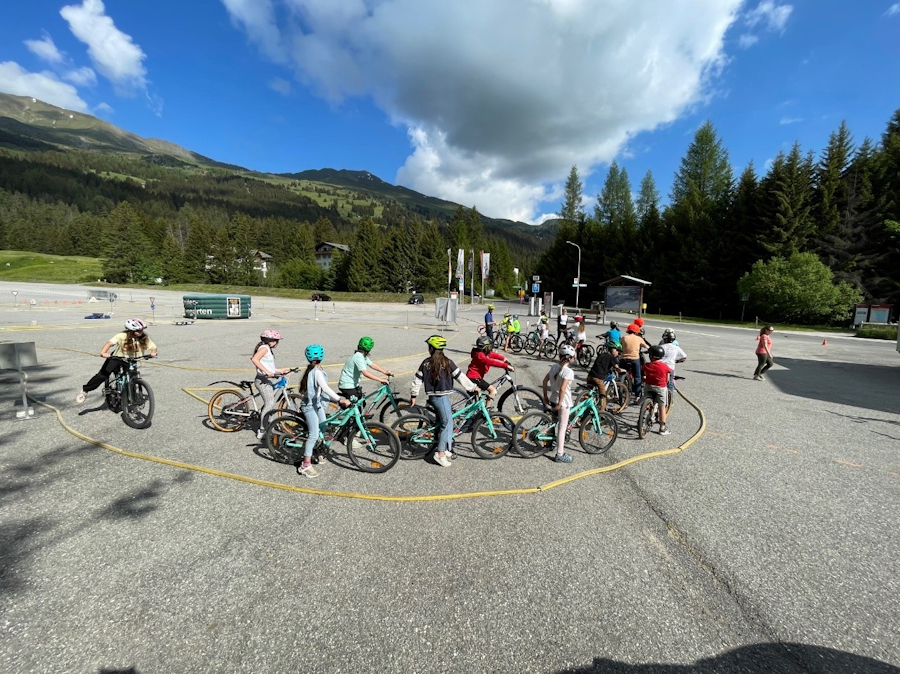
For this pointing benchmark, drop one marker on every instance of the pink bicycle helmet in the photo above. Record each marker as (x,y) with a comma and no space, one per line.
(272,335)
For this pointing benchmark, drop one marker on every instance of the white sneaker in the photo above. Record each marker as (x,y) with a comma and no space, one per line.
(80,397)
(442,460)
(358,444)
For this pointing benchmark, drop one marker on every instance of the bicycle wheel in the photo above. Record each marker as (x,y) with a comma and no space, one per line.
(228,411)
(375,448)
(113,397)
(516,342)
(137,408)
(617,397)
(492,443)
(534,435)
(549,349)
(285,437)
(531,344)
(586,355)
(416,433)
(389,415)
(291,401)
(597,438)
(645,418)
(519,401)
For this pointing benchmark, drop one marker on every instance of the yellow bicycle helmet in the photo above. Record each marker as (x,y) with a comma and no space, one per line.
(437,342)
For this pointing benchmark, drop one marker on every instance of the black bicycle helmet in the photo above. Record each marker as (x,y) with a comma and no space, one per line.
(656,352)
(483,342)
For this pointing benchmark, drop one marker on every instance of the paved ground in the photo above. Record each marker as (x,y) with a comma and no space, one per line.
(769,545)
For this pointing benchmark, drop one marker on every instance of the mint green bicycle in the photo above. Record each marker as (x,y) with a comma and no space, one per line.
(535,433)
(490,433)
(372,446)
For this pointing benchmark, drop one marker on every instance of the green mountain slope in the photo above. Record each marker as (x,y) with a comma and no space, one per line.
(29,125)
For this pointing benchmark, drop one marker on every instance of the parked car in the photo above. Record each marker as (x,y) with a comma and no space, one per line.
(320,297)
(468,292)
(416,299)
(98,315)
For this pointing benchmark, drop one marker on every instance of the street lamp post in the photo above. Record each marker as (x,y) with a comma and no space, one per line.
(578,281)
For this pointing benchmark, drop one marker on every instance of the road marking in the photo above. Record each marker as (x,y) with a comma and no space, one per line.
(848,463)
(381,497)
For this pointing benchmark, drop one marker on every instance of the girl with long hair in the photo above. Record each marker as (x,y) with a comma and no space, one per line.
(316,394)
(437,373)
(133,343)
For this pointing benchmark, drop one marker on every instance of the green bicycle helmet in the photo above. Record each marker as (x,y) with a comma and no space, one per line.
(315,352)
(437,342)
(366,344)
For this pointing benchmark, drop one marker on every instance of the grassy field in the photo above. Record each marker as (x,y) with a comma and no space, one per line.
(878,332)
(23,266)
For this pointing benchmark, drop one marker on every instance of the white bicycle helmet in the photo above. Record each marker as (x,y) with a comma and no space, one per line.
(135,324)
(567,351)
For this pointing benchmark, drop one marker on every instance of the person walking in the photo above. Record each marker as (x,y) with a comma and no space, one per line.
(764,352)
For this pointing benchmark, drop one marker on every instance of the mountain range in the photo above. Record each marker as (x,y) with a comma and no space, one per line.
(29,125)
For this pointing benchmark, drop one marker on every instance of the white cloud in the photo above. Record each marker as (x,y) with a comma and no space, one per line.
(82,77)
(893,10)
(113,53)
(45,49)
(44,86)
(282,86)
(747,40)
(257,18)
(790,120)
(503,97)
(104,108)
(770,15)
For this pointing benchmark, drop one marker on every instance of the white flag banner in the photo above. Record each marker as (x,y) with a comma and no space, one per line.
(460,263)
(485,265)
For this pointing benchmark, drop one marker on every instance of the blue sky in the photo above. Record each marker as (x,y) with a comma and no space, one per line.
(485,103)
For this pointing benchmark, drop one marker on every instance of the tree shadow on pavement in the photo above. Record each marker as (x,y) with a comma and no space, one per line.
(771,658)
(864,385)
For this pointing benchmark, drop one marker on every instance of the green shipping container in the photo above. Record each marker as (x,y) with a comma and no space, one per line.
(203,305)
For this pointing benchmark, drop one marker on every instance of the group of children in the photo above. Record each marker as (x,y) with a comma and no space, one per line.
(436,373)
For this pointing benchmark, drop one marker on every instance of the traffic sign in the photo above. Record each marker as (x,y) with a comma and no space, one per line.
(536,278)
(535,288)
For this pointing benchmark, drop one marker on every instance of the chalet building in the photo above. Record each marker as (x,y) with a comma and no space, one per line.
(261,262)
(325,253)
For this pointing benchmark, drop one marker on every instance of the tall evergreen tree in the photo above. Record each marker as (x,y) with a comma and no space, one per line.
(572,209)
(125,250)
(788,215)
(364,272)
(701,197)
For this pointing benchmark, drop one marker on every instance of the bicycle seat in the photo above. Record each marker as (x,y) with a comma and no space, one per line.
(246,384)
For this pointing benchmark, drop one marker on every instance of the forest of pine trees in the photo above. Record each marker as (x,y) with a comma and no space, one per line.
(819,230)
(191,226)
(804,241)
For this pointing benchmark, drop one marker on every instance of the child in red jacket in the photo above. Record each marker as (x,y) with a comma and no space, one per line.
(483,359)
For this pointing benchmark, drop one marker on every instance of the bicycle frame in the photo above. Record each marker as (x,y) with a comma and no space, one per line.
(252,395)
(575,417)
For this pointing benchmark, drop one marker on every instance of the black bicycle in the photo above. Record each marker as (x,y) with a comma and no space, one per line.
(128,393)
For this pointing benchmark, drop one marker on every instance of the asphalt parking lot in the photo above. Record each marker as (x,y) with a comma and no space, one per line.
(768,545)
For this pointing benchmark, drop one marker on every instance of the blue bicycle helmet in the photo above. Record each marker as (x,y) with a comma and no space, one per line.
(315,352)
